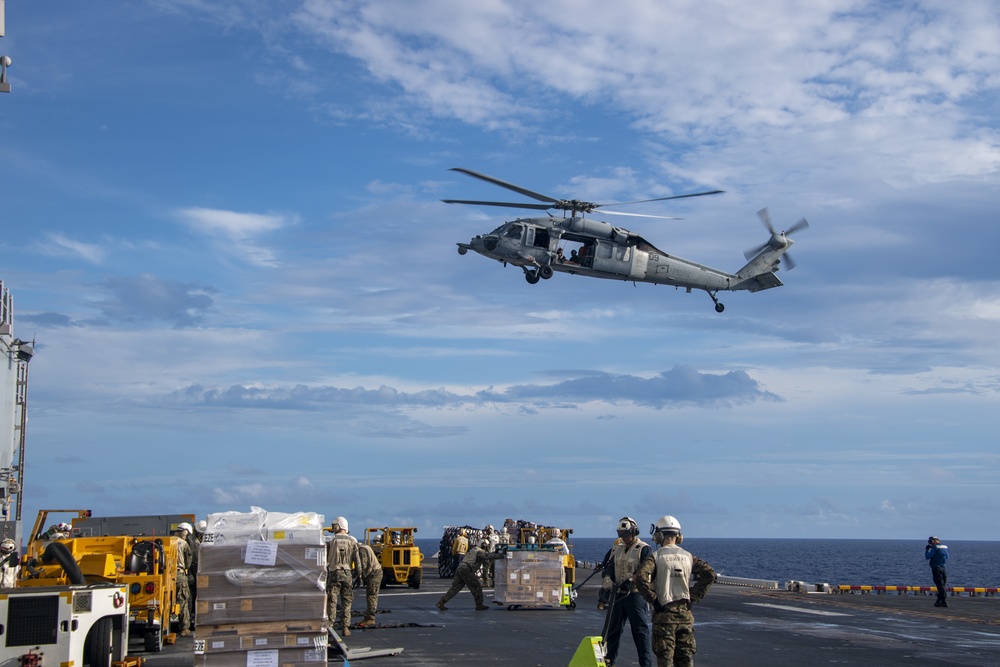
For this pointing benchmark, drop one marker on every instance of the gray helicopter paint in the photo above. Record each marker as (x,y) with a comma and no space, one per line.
(613,253)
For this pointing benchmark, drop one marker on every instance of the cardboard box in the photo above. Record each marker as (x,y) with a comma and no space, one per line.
(283,657)
(230,641)
(312,625)
(262,608)
(530,578)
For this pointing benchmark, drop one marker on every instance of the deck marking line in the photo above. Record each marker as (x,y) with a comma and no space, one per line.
(817,612)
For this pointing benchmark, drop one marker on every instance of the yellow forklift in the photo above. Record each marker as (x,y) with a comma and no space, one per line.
(399,555)
(147,565)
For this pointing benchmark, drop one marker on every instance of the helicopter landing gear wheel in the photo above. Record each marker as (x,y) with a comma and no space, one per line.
(718,306)
(545,272)
(531,277)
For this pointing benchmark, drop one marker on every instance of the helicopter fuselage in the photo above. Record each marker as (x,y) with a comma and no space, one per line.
(601,250)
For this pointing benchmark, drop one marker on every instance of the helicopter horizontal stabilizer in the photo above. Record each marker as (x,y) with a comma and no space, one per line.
(761,281)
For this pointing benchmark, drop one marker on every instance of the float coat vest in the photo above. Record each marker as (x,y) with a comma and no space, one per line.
(673,572)
(627,559)
(341,553)
(471,557)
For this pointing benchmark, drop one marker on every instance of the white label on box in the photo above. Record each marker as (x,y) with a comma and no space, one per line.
(219,644)
(260,641)
(526,576)
(556,593)
(538,595)
(262,658)
(199,646)
(315,554)
(218,606)
(261,553)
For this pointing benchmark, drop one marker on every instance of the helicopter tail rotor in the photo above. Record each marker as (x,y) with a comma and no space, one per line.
(778,239)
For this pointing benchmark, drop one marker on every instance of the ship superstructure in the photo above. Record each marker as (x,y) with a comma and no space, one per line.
(14,357)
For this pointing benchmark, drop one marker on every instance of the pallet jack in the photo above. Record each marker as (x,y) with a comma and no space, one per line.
(337,644)
(592,650)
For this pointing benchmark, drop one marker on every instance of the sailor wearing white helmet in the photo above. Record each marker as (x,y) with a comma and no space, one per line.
(619,580)
(185,559)
(671,579)
(343,561)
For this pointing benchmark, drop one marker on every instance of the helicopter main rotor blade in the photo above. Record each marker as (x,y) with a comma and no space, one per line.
(540,207)
(643,201)
(505,184)
(640,215)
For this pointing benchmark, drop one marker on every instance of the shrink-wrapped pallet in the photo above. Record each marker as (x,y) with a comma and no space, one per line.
(262,591)
(530,578)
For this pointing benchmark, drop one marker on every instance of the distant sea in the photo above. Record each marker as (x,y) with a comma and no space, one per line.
(864,562)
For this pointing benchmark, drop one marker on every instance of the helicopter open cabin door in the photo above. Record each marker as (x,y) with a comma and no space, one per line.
(610,257)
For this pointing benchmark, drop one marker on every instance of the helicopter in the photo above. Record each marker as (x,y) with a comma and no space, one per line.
(600,250)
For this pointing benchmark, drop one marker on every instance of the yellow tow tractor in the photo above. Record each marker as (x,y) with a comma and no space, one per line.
(147,565)
(399,555)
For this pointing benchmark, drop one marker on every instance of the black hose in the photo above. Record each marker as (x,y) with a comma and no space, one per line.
(57,552)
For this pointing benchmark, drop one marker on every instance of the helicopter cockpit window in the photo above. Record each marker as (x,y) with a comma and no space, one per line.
(514,232)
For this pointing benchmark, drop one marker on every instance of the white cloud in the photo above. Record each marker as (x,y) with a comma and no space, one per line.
(61,245)
(242,229)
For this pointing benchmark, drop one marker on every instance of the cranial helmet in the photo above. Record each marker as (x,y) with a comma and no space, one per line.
(627,526)
(64,527)
(341,522)
(185,526)
(7,545)
(665,524)
(201,526)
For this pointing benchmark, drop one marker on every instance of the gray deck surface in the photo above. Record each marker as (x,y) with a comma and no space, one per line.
(734,626)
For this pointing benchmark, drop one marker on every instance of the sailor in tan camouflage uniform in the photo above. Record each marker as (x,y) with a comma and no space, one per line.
(467,574)
(671,579)
(185,560)
(371,574)
(342,562)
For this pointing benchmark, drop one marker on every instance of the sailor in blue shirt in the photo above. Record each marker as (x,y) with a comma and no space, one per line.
(937,554)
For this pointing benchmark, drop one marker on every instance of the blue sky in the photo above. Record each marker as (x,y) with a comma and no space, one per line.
(222,223)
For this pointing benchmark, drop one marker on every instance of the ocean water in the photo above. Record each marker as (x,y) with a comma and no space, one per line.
(862,562)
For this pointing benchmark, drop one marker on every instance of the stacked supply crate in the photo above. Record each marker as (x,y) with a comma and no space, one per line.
(531,578)
(262,591)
